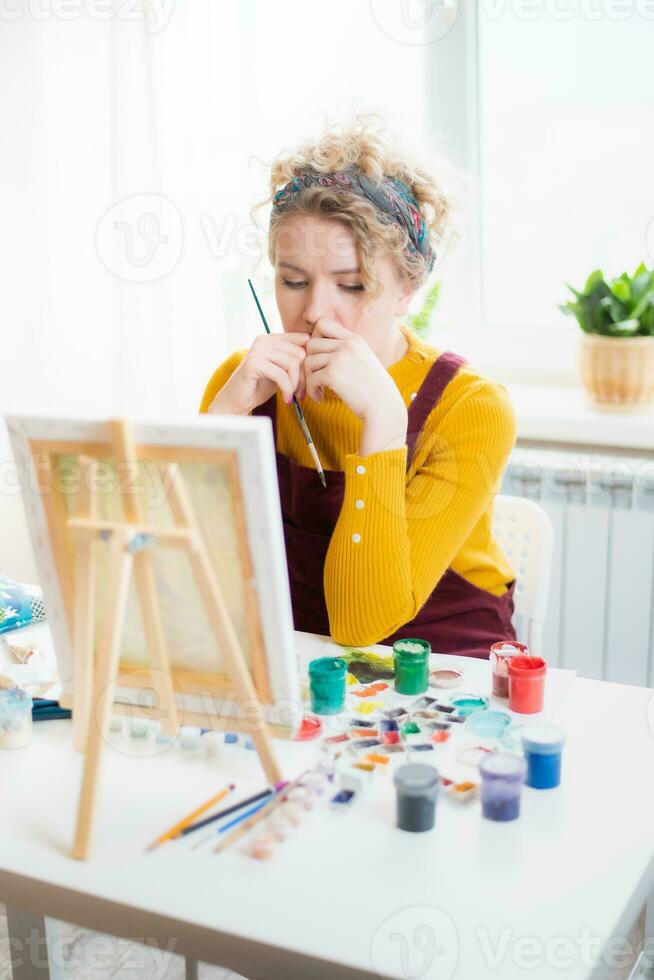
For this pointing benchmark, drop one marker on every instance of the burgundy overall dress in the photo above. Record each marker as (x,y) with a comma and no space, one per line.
(458,617)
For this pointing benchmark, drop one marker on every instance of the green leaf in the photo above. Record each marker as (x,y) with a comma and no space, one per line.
(642,284)
(621,289)
(626,328)
(594,278)
(421,321)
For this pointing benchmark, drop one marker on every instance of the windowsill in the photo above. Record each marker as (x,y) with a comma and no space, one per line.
(556,414)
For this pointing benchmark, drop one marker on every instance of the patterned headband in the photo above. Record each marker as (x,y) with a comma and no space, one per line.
(392,198)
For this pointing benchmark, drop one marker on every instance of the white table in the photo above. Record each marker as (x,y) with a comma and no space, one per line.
(350,896)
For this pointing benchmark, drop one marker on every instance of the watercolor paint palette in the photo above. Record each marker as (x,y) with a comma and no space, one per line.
(381,730)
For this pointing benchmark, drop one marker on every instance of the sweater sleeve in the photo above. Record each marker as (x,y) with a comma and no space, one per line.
(394,540)
(220,377)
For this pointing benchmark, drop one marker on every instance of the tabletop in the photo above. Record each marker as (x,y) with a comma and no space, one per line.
(349,895)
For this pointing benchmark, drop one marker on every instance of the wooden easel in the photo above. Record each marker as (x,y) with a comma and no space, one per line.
(131,542)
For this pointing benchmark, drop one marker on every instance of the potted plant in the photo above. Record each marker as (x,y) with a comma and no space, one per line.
(617,353)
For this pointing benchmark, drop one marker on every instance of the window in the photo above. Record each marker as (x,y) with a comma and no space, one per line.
(566,150)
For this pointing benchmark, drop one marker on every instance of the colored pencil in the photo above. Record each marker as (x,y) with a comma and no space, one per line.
(261,814)
(296,404)
(231,809)
(242,816)
(179,826)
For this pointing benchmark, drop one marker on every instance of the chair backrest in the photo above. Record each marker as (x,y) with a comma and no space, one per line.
(525,533)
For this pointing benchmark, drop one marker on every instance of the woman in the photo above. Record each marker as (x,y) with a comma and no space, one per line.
(413,441)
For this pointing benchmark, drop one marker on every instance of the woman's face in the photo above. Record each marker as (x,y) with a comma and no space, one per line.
(316,274)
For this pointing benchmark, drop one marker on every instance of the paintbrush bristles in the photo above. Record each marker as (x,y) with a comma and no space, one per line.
(314,454)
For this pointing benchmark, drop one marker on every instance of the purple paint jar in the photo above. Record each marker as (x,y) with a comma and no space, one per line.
(502,776)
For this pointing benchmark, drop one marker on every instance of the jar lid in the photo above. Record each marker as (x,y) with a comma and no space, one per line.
(527,665)
(415,779)
(15,699)
(543,739)
(510,648)
(327,665)
(503,765)
(488,724)
(411,645)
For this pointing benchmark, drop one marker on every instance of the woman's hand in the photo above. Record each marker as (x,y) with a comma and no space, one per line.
(342,360)
(273,361)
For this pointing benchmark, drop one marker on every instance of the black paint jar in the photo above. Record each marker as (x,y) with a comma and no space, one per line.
(417,789)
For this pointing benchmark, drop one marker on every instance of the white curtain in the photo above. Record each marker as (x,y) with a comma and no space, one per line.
(134,141)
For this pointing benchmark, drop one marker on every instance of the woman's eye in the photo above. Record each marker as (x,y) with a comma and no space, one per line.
(291,284)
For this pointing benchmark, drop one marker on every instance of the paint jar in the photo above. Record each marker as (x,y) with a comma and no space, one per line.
(487,724)
(411,659)
(527,684)
(543,746)
(467,704)
(417,789)
(327,682)
(500,654)
(502,776)
(15,718)
(189,738)
(445,677)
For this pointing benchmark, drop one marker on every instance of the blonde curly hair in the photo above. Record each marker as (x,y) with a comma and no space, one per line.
(366,145)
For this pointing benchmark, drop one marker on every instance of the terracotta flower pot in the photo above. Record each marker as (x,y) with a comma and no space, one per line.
(618,372)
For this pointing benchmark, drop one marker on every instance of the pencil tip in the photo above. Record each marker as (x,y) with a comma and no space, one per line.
(322,479)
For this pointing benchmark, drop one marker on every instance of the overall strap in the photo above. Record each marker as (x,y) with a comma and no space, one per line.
(269,409)
(438,377)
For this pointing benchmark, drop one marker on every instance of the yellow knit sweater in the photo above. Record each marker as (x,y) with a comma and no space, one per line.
(412,526)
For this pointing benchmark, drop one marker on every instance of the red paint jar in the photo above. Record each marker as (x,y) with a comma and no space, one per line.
(527,684)
(500,654)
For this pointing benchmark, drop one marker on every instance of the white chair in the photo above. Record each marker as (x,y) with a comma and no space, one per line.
(525,533)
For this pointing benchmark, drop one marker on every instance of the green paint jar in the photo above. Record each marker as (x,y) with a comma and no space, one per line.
(327,685)
(411,666)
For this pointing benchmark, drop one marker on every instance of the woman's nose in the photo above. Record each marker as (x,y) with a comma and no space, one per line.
(317,303)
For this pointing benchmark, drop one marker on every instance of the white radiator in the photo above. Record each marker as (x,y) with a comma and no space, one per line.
(600,616)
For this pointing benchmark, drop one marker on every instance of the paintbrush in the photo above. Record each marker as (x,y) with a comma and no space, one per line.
(261,814)
(176,830)
(296,404)
(257,798)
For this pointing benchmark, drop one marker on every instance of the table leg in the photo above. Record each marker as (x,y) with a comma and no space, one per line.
(648,953)
(32,940)
(192,969)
